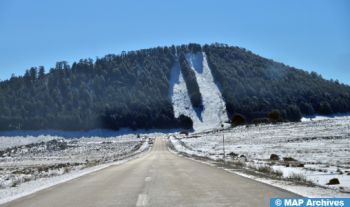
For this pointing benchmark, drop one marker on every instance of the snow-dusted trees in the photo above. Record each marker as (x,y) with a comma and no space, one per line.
(254,86)
(133,90)
(111,92)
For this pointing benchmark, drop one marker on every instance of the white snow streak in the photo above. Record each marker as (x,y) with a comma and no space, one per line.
(214,109)
(180,98)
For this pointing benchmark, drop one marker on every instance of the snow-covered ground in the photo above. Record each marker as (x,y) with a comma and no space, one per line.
(214,109)
(104,133)
(315,151)
(29,164)
(323,117)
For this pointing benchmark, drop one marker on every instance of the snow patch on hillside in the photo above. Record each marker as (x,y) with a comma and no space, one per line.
(180,98)
(214,109)
(214,112)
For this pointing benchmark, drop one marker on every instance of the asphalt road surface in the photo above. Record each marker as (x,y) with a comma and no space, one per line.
(159,178)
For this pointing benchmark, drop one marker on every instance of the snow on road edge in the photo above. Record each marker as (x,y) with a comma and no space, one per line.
(310,192)
(34,186)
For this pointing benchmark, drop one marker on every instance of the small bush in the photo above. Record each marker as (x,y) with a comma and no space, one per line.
(243,158)
(14,184)
(268,170)
(258,121)
(66,170)
(232,154)
(278,173)
(238,119)
(289,159)
(264,169)
(299,178)
(239,163)
(274,116)
(300,165)
(339,171)
(333,181)
(274,157)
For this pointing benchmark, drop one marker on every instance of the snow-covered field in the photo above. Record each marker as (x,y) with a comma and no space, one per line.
(315,151)
(28,164)
(214,108)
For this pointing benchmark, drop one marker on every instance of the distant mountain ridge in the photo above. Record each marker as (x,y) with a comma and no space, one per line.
(136,90)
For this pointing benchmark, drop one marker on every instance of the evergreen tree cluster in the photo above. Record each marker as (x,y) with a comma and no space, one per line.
(254,86)
(129,90)
(132,90)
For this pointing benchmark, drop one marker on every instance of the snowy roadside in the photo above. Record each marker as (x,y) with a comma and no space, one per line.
(37,166)
(306,155)
(303,190)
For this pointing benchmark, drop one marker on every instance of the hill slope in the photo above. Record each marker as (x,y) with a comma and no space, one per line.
(211,112)
(254,86)
(137,89)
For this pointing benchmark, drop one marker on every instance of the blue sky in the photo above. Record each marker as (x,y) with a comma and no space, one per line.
(311,35)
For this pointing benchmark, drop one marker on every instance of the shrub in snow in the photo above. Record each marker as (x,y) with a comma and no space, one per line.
(238,119)
(274,157)
(268,170)
(300,165)
(239,163)
(274,116)
(232,154)
(299,178)
(333,181)
(289,159)
(264,169)
(243,158)
(258,121)
(339,171)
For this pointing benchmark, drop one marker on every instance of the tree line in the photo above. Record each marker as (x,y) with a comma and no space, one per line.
(132,90)
(254,86)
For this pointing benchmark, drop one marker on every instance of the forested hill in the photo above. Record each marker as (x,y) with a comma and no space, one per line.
(132,90)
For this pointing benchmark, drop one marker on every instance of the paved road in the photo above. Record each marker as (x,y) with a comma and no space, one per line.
(159,178)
